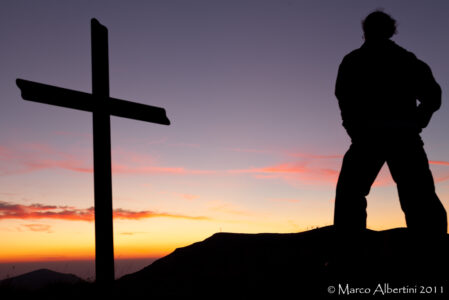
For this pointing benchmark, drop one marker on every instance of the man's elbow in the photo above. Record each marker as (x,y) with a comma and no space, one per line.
(431,101)
(436,103)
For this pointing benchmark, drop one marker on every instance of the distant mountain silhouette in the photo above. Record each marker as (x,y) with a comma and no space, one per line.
(42,282)
(242,266)
(39,279)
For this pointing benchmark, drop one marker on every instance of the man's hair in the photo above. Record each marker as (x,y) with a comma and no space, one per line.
(378,25)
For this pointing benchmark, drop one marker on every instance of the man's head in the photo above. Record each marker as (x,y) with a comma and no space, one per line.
(378,26)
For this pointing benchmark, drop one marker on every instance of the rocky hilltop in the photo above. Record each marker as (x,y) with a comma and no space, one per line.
(319,262)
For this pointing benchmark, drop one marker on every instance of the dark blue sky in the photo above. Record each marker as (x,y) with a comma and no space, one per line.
(225,70)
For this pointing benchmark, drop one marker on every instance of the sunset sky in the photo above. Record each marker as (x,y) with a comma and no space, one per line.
(256,141)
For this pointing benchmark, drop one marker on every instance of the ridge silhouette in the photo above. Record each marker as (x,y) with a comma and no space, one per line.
(289,266)
(377,88)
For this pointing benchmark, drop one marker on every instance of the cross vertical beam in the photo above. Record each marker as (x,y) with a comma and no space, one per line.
(104,239)
(101,106)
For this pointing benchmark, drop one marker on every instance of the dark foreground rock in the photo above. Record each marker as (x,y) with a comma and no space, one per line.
(313,263)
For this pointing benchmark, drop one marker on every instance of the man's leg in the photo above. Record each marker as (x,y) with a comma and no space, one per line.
(410,170)
(361,165)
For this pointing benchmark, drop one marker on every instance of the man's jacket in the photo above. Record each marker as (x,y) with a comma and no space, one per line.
(384,89)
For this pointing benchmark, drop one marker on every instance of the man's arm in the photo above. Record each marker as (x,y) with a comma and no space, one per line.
(343,93)
(428,94)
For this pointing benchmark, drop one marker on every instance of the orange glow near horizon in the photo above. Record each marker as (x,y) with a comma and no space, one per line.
(53,220)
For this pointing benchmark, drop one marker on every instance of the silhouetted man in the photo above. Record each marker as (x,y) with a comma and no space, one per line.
(377,88)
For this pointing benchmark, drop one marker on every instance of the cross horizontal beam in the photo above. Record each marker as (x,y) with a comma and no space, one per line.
(53,95)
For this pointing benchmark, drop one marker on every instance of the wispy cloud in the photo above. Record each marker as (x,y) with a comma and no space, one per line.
(136,215)
(294,172)
(307,168)
(285,168)
(124,169)
(30,157)
(297,167)
(38,227)
(131,233)
(39,211)
(439,162)
(33,157)
(441,178)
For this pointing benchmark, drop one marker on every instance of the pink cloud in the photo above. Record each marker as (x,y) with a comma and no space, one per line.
(297,168)
(33,157)
(293,172)
(4,152)
(40,211)
(128,169)
(439,162)
(281,168)
(441,178)
(29,157)
(68,164)
(315,169)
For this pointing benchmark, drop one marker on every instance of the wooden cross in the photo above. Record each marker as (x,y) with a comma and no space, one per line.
(101,106)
